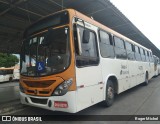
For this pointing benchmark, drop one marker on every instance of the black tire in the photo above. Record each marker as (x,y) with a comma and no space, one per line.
(146,80)
(110,95)
(10,79)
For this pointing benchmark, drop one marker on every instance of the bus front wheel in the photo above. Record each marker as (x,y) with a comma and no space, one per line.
(146,79)
(109,94)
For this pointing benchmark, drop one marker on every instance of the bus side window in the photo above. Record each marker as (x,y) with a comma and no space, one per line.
(147,56)
(75,38)
(1,72)
(89,56)
(106,45)
(150,57)
(137,53)
(142,54)
(120,48)
(130,51)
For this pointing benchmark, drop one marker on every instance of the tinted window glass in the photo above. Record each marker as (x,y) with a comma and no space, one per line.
(130,51)
(50,49)
(151,57)
(89,54)
(119,48)
(128,46)
(61,18)
(118,42)
(147,57)
(137,53)
(142,54)
(1,72)
(106,48)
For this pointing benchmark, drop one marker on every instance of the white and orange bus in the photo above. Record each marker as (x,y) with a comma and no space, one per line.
(9,74)
(6,74)
(70,62)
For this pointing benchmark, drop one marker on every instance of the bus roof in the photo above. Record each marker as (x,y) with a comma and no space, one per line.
(101,26)
(3,68)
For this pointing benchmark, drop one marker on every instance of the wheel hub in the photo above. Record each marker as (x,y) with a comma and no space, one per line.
(110,93)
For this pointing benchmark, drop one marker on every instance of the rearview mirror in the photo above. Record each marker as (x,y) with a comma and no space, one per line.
(86,36)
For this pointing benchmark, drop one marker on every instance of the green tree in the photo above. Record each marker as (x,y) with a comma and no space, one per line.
(8,60)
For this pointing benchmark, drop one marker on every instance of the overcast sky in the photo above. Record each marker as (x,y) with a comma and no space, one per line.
(144,14)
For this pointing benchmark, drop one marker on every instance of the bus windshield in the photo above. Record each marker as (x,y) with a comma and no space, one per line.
(46,53)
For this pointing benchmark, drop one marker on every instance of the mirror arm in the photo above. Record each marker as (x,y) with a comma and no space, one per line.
(80,20)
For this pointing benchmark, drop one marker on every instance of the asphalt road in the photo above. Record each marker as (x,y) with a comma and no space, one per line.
(140,100)
(9,91)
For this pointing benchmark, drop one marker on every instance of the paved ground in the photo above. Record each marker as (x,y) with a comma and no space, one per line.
(9,91)
(141,100)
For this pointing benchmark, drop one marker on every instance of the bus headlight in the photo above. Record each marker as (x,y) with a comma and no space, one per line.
(62,88)
(21,88)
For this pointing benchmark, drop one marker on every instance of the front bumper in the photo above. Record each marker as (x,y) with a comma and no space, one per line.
(48,102)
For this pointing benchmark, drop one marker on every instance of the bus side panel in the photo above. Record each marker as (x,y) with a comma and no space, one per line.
(116,67)
(148,68)
(152,70)
(1,78)
(142,69)
(133,69)
(89,86)
(7,76)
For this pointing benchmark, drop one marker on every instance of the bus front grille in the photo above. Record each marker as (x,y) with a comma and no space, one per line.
(37,92)
(39,84)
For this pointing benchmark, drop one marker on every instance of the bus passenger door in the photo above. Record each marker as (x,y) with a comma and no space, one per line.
(88,70)
(124,79)
(132,73)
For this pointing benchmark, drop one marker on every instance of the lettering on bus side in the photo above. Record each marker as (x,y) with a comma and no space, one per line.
(123,70)
(123,66)
(140,67)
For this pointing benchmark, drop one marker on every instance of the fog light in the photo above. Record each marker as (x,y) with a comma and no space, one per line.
(26,100)
(49,103)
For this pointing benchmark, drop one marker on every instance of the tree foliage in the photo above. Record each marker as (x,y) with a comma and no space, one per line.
(8,60)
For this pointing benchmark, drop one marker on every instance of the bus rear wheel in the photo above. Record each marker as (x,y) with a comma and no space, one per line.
(10,79)
(109,94)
